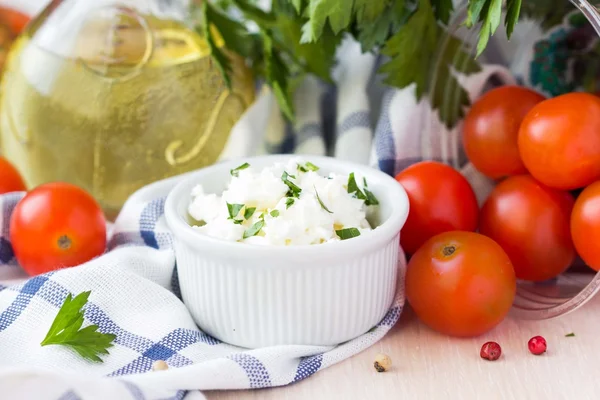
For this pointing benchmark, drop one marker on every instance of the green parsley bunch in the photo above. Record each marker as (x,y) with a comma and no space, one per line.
(298,37)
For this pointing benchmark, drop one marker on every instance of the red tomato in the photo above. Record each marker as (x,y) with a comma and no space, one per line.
(56,225)
(585,225)
(559,141)
(441,200)
(531,223)
(15,20)
(461,284)
(491,130)
(10,179)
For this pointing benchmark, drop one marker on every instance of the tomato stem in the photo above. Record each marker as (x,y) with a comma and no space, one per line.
(64,243)
(449,250)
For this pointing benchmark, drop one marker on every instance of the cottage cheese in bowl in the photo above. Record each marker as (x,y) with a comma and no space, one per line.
(286,204)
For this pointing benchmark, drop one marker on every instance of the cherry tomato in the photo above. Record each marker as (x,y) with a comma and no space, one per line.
(10,179)
(585,225)
(461,284)
(531,223)
(56,225)
(559,141)
(15,20)
(441,200)
(491,130)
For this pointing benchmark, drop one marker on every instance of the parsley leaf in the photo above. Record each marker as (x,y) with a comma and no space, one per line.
(352,186)
(348,233)
(307,167)
(367,196)
(443,9)
(411,59)
(234,210)
(254,229)
(570,335)
(294,189)
(513,10)
(233,34)
(337,12)
(317,58)
(373,34)
(491,22)
(289,202)
(311,167)
(275,213)
(249,212)
(276,74)
(412,62)
(323,206)
(66,330)
(297,5)
(371,199)
(235,171)
(489,13)
(369,10)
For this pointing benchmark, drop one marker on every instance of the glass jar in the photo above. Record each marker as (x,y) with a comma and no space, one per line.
(112,95)
(547,55)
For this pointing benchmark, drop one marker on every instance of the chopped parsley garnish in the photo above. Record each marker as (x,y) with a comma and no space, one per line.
(353,187)
(311,166)
(294,189)
(235,171)
(275,213)
(321,202)
(367,196)
(348,233)
(249,212)
(289,202)
(254,229)
(234,210)
(371,199)
(570,335)
(307,167)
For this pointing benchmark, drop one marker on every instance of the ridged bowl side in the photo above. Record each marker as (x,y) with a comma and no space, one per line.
(266,305)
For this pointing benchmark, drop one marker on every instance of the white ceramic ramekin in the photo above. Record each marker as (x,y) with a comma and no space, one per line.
(255,296)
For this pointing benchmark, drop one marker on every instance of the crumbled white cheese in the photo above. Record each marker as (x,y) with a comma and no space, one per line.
(283,215)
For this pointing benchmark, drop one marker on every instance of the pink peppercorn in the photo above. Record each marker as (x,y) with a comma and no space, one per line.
(490,351)
(537,345)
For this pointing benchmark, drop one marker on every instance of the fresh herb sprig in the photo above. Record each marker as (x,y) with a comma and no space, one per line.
(299,37)
(66,330)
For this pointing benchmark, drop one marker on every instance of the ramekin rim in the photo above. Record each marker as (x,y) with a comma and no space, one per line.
(381,235)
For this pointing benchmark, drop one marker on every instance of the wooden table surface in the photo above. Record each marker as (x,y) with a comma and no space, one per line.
(428,365)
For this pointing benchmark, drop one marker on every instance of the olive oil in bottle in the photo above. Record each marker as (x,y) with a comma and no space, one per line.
(137,99)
